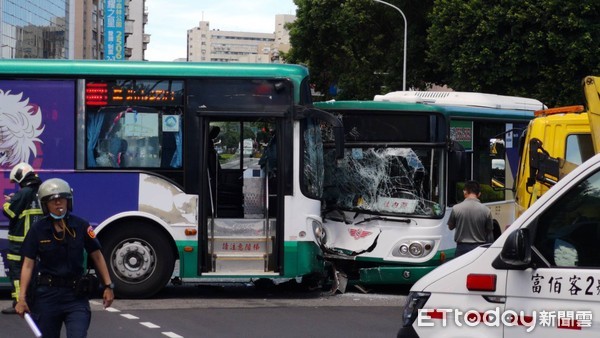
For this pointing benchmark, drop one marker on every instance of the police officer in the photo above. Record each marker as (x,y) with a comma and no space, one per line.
(22,210)
(55,247)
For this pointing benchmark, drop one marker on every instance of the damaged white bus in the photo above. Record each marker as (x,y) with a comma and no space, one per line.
(386,203)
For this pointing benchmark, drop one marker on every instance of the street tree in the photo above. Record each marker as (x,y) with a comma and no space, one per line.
(535,48)
(354,48)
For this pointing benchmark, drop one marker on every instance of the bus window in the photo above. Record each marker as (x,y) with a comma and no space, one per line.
(134,124)
(241,143)
(313,158)
(379,175)
(486,166)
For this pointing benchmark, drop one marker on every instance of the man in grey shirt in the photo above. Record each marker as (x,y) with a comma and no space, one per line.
(471,220)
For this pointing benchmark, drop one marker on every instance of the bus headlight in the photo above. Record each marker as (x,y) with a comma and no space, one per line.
(412,248)
(416,249)
(403,249)
(319,232)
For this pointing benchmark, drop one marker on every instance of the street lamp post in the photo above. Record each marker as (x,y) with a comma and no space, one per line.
(405,37)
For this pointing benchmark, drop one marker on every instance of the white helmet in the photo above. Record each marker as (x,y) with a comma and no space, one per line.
(52,189)
(18,173)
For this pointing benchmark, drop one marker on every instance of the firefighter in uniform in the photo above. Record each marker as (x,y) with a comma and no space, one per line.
(54,247)
(22,210)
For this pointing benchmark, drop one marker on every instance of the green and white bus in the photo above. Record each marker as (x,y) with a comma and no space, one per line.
(155,154)
(407,155)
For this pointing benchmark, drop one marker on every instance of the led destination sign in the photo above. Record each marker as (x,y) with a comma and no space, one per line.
(145,92)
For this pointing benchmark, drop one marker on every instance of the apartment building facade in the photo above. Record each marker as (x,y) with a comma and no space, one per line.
(91,34)
(206,45)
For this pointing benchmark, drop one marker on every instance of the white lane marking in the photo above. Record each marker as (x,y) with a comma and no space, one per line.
(128,316)
(109,309)
(172,335)
(150,325)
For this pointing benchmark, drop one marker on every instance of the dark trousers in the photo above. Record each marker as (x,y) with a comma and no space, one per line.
(463,248)
(53,306)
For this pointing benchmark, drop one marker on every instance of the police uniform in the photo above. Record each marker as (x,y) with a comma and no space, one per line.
(59,265)
(22,210)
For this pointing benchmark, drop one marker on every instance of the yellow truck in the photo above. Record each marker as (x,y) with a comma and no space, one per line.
(556,141)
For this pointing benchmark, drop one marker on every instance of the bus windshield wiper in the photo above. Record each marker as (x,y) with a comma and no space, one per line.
(381,218)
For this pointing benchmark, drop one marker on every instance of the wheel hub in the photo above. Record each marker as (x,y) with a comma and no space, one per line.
(134,260)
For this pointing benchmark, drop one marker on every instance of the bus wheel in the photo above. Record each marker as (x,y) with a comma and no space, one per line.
(140,260)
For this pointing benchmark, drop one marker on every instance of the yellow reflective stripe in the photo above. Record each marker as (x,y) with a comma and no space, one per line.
(15,295)
(16,238)
(9,212)
(27,215)
(30,212)
(13,257)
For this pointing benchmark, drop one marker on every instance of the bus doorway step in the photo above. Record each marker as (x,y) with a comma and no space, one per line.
(246,263)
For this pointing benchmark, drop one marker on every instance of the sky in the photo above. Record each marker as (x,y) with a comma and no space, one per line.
(169,21)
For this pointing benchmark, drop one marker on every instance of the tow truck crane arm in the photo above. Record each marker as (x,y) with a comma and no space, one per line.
(591,88)
(547,169)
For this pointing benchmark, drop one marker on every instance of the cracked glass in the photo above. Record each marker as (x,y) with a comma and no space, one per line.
(392,165)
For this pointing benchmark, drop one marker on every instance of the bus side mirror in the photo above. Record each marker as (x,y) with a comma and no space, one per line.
(516,252)
(498,172)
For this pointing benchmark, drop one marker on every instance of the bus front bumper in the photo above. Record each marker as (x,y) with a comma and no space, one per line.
(394,275)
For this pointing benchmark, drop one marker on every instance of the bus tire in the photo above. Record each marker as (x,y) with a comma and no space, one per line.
(139,258)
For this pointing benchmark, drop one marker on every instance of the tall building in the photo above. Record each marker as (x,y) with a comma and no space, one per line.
(206,45)
(34,29)
(282,35)
(87,38)
(63,29)
(90,32)
(136,17)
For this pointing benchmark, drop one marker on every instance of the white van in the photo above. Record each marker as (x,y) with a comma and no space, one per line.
(541,278)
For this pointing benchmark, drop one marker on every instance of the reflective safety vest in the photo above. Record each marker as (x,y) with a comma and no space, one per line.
(21,222)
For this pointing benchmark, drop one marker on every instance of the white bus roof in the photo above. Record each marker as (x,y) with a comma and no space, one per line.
(465,99)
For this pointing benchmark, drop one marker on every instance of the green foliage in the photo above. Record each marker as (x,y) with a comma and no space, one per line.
(540,49)
(488,194)
(230,133)
(357,45)
(534,48)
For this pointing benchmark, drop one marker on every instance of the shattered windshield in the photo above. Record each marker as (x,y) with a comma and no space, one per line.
(392,181)
(392,165)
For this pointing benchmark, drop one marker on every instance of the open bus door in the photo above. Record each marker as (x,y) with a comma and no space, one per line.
(244,196)
(240,211)
(245,193)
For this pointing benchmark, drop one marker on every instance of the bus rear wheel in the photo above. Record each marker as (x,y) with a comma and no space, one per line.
(140,260)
